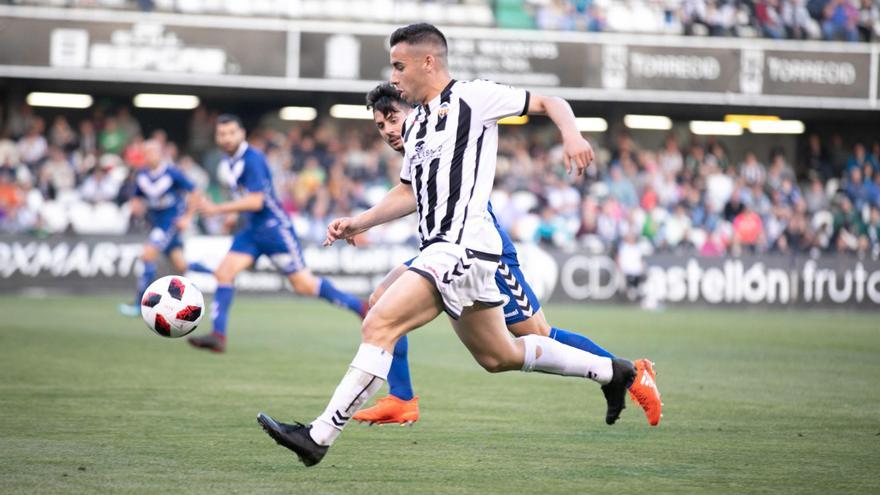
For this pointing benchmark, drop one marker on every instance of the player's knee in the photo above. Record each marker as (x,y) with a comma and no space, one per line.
(305,287)
(224,276)
(495,364)
(376,330)
(374,297)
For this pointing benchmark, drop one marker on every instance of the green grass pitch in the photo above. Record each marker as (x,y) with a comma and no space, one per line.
(772,402)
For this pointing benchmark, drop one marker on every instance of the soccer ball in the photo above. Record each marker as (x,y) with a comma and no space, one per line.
(172,306)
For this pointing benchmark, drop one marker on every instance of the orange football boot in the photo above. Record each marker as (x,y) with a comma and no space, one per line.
(644,391)
(389,410)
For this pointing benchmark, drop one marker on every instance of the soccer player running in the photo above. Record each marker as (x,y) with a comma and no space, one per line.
(170,200)
(450,146)
(522,312)
(267,231)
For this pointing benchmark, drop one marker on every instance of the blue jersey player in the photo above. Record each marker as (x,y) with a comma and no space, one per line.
(169,200)
(267,231)
(522,312)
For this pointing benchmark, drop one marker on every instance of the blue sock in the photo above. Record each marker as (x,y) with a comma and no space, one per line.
(144,281)
(343,299)
(220,311)
(578,341)
(399,382)
(199,267)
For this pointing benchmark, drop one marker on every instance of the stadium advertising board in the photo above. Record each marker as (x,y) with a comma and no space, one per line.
(109,48)
(351,57)
(102,264)
(816,74)
(664,68)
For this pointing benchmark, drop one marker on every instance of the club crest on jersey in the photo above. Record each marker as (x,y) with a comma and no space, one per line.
(443,110)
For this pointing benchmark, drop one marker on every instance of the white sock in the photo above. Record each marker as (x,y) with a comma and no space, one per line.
(546,355)
(365,376)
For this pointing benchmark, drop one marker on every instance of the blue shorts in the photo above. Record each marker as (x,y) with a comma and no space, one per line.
(165,238)
(520,301)
(279,243)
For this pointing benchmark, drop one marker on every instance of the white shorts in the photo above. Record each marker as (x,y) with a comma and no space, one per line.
(462,276)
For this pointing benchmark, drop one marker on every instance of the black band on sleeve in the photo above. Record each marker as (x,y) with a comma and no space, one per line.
(404,181)
(526,106)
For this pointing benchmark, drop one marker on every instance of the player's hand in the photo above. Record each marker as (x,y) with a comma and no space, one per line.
(208,208)
(341,228)
(183,223)
(576,152)
(138,208)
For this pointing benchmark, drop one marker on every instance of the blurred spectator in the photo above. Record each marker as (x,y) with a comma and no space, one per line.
(838,154)
(796,237)
(840,21)
(127,124)
(817,159)
(769,19)
(869,20)
(56,175)
(548,228)
(33,146)
(860,158)
(752,171)
(8,150)
(100,186)
(848,225)
(10,198)
(135,155)
(631,261)
(676,228)
(62,135)
(797,20)
(201,133)
(88,140)
(194,172)
(815,197)
(112,138)
(778,171)
(857,190)
(670,158)
(621,188)
(20,120)
(748,231)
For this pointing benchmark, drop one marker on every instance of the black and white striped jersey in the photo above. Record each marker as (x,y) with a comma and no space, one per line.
(450,151)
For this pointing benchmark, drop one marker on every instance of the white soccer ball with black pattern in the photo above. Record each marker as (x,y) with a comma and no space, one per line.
(172,306)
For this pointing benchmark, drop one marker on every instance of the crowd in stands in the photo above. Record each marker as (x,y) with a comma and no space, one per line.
(689,196)
(848,20)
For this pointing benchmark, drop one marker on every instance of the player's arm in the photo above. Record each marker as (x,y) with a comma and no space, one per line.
(137,205)
(255,180)
(194,200)
(252,201)
(576,150)
(398,202)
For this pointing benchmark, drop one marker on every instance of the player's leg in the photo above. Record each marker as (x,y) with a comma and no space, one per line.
(409,303)
(306,283)
(524,316)
(148,260)
(240,256)
(282,247)
(482,330)
(174,252)
(400,405)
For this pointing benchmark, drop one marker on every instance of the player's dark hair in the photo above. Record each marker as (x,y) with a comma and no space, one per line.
(419,33)
(383,98)
(227,118)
